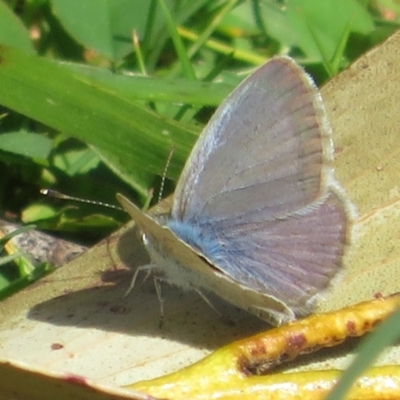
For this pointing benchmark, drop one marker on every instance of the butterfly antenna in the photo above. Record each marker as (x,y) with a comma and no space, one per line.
(58,195)
(164,175)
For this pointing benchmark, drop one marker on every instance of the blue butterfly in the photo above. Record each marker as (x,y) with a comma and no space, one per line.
(257,215)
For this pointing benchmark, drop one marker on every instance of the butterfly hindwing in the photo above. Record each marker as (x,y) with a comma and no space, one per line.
(291,259)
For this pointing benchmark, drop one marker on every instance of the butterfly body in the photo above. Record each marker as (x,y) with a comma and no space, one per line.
(257,216)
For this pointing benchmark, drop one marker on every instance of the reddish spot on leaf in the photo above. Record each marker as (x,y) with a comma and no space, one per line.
(79,380)
(351,328)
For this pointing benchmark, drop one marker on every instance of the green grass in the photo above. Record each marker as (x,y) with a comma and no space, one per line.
(89,111)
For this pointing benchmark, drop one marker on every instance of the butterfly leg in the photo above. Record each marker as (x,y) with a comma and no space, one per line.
(157,285)
(148,268)
(203,296)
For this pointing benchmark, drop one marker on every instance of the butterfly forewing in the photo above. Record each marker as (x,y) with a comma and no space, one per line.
(262,154)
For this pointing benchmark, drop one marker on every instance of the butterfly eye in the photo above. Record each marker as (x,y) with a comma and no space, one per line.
(142,237)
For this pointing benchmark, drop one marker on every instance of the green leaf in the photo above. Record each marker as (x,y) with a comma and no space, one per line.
(109,31)
(137,87)
(13,32)
(26,144)
(128,137)
(75,161)
(180,49)
(328,19)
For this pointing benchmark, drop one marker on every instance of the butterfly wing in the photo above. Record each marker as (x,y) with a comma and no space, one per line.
(256,217)
(291,259)
(263,153)
(257,194)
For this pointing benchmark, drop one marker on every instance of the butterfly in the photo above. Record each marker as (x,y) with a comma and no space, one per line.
(257,216)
